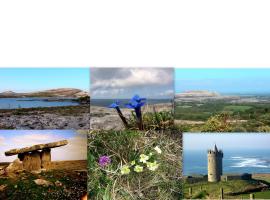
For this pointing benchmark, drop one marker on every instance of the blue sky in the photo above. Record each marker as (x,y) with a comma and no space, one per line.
(76,149)
(204,141)
(223,80)
(34,79)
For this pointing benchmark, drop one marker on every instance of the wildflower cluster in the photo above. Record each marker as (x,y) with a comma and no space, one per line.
(144,162)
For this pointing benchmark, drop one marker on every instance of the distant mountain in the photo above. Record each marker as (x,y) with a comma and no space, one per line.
(8,93)
(204,95)
(197,93)
(60,92)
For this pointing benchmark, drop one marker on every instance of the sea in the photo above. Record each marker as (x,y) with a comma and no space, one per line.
(107,102)
(14,103)
(234,161)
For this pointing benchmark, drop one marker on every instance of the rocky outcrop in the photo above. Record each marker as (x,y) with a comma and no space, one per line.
(16,165)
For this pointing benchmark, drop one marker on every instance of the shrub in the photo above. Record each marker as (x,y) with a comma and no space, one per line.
(217,123)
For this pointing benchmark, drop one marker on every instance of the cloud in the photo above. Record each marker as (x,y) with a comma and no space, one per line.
(2,140)
(110,82)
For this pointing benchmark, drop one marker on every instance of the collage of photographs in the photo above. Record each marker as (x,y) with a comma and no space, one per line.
(134,133)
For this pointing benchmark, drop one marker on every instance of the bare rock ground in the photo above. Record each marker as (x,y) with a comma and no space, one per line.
(102,118)
(66,117)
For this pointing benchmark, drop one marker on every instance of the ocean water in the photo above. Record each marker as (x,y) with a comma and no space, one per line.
(13,103)
(234,161)
(107,102)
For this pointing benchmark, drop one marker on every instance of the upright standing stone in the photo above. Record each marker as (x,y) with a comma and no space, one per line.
(46,159)
(32,161)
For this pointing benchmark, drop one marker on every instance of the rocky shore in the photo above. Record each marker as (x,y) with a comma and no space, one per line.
(102,118)
(66,117)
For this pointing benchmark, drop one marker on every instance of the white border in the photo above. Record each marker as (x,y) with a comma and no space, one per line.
(142,33)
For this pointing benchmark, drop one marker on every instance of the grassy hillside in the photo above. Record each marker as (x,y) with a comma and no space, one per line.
(244,117)
(206,190)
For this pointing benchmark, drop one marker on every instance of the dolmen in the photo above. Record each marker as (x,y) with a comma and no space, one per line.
(34,158)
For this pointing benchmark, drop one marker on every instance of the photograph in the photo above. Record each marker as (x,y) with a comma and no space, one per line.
(132,98)
(226,165)
(222,100)
(44,98)
(43,164)
(133,164)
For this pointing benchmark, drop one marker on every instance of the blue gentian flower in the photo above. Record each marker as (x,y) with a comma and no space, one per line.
(116,106)
(136,104)
(137,98)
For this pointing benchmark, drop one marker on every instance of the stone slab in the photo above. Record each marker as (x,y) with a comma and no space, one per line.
(36,147)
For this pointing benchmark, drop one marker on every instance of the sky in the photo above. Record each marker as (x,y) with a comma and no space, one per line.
(36,79)
(123,83)
(227,81)
(204,141)
(76,149)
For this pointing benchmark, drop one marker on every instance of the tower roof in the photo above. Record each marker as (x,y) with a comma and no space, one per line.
(216,149)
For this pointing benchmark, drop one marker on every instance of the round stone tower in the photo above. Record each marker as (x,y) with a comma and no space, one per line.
(214,164)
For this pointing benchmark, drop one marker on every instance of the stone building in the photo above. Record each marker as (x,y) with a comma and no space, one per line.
(215,164)
(230,177)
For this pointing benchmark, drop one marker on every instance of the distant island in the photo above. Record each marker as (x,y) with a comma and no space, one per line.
(59,92)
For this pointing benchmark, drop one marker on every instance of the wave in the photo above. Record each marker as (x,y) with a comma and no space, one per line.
(250,162)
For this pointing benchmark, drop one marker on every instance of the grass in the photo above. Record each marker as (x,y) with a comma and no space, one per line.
(22,186)
(162,120)
(257,195)
(125,146)
(206,190)
(237,108)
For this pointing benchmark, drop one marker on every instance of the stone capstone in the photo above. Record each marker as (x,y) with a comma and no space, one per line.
(36,147)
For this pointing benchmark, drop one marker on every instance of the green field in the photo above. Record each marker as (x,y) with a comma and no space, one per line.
(244,117)
(206,190)
(257,195)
